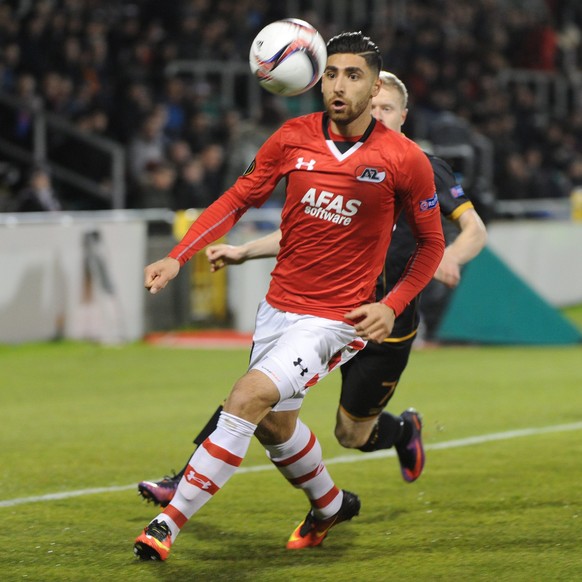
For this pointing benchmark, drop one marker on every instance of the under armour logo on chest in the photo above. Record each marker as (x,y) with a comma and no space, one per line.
(301,163)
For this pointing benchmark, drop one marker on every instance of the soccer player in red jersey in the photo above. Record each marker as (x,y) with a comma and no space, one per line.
(370,378)
(348,178)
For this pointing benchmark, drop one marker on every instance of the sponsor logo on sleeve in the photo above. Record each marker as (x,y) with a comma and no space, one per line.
(251,168)
(428,203)
(457,191)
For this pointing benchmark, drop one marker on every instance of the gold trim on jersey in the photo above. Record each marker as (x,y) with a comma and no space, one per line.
(454,215)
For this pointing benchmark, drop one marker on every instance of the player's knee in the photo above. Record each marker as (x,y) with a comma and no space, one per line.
(252,397)
(349,439)
(277,427)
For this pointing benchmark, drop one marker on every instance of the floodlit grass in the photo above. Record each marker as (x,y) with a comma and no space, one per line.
(79,416)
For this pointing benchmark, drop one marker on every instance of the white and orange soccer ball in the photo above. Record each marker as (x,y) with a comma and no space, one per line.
(288,57)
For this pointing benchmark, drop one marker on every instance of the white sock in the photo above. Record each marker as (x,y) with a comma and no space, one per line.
(211,466)
(300,461)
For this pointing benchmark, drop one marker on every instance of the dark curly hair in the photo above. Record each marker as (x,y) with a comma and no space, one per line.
(358,44)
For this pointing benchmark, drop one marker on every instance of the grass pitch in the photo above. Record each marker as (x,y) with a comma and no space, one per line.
(79,417)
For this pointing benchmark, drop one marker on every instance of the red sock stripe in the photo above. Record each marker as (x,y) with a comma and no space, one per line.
(326,499)
(201,481)
(222,454)
(301,453)
(177,516)
(307,476)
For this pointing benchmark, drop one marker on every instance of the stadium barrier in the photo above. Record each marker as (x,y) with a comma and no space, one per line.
(79,275)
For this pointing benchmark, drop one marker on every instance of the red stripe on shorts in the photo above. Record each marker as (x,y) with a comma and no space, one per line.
(357,345)
(312,382)
(335,360)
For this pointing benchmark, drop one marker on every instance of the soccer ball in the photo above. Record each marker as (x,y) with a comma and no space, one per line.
(288,57)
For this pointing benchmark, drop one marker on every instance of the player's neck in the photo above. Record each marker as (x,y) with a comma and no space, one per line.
(354,129)
(337,137)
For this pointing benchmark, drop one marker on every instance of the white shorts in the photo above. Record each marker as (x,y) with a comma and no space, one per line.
(296,351)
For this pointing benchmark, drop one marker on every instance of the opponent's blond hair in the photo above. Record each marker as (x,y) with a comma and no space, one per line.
(391,81)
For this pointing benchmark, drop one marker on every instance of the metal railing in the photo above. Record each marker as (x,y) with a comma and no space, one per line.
(556,95)
(226,79)
(43,123)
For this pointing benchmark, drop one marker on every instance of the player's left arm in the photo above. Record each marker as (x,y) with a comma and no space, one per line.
(468,244)
(375,321)
(417,191)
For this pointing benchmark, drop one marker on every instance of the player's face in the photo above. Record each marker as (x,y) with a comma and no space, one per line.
(348,85)
(388,108)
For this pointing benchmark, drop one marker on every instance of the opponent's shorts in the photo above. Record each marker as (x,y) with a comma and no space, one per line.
(370,379)
(296,351)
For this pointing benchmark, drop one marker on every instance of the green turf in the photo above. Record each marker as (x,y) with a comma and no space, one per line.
(78,416)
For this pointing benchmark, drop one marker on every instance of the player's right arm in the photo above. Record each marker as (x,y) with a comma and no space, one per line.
(457,207)
(221,255)
(159,274)
(464,248)
(251,189)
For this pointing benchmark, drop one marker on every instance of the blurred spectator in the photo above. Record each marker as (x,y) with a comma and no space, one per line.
(19,124)
(247,136)
(212,157)
(179,152)
(9,180)
(191,191)
(148,146)
(157,187)
(516,182)
(111,56)
(38,195)
(177,108)
(135,104)
(575,172)
(10,65)
(199,131)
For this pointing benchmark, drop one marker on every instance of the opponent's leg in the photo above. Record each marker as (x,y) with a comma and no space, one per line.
(368,383)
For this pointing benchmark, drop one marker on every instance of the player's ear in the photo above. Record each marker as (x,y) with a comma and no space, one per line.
(376,87)
(404,115)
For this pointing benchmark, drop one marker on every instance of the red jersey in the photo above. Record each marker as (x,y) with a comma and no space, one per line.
(338,216)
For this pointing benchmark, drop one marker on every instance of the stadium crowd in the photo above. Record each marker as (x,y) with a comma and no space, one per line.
(101,64)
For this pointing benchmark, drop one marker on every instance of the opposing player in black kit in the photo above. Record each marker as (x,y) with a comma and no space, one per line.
(370,378)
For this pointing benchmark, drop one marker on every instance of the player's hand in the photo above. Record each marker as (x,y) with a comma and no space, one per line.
(448,272)
(159,274)
(374,321)
(221,255)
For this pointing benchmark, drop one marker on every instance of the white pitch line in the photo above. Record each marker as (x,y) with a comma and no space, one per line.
(467,442)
